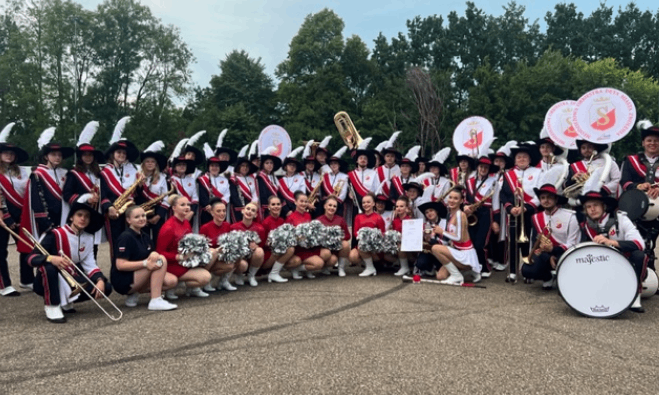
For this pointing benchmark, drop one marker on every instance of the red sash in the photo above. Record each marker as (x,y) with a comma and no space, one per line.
(455,174)
(285,191)
(268,183)
(579,167)
(540,223)
(471,187)
(62,243)
(327,184)
(84,180)
(181,190)
(48,181)
(111,179)
(511,178)
(205,181)
(382,177)
(638,166)
(9,192)
(247,193)
(398,184)
(357,184)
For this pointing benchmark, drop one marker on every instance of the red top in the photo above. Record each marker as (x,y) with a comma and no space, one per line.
(373,220)
(171,233)
(397,223)
(295,218)
(270,223)
(212,231)
(254,227)
(336,221)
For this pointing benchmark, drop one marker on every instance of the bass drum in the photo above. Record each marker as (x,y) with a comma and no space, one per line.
(638,205)
(596,281)
(650,284)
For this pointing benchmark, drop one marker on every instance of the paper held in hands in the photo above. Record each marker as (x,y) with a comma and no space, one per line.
(412,235)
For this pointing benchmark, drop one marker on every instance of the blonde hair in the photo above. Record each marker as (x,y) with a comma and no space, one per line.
(173,199)
(253,205)
(11,169)
(155,176)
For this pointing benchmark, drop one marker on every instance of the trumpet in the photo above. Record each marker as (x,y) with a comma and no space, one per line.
(573,191)
(124,201)
(347,130)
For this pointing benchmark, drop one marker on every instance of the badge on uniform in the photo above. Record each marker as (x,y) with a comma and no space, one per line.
(612,232)
(530,178)
(559,225)
(82,248)
(122,249)
(221,182)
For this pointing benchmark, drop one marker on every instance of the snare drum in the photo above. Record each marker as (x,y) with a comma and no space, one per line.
(638,205)
(596,281)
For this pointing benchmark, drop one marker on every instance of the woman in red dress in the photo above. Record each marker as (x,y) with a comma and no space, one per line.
(212,230)
(401,213)
(312,258)
(172,231)
(331,219)
(277,261)
(248,223)
(368,219)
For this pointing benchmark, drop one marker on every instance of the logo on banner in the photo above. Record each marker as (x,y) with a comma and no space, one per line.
(602,113)
(566,122)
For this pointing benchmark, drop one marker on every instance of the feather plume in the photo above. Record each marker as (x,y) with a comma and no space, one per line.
(253,148)
(5,132)
(155,146)
(485,148)
(644,124)
(381,146)
(220,138)
(295,152)
(178,149)
(425,176)
(326,140)
(392,140)
(46,136)
(243,151)
(413,153)
(544,133)
(88,133)
(340,152)
(208,151)
(365,143)
(195,137)
(119,130)
(442,155)
(269,151)
(307,149)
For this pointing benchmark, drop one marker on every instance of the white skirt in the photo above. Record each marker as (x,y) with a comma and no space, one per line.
(467,258)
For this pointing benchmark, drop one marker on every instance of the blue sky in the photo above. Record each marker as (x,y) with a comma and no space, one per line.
(264,28)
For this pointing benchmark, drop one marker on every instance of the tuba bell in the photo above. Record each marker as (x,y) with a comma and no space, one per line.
(347,130)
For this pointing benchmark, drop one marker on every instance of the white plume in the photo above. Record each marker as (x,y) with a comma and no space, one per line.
(195,137)
(485,148)
(644,124)
(425,176)
(505,149)
(365,143)
(253,148)
(208,151)
(413,153)
(46,136)
(243,151)
(220,138)
(307,149)
(544,133)
(392,140)
(88,133)
(442,155)
(340,152)
(5,132)
(326,140)
(155,147)
(178,149)
(295,152)
(119,130)
(269,151)
(381,146)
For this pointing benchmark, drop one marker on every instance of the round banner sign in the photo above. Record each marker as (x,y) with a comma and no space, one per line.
(275,136)
(470,135)
(558,123)
(604,115)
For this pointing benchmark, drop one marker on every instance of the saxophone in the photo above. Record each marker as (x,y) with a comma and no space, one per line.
(149,207)
(313,196)
(541,240)
(124,201)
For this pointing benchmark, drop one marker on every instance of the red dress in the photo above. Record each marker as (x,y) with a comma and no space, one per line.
(296,218)
(372,220)
(270,224)
(171,233)
(336,221)
(212,231)
(254,227)
(397,223)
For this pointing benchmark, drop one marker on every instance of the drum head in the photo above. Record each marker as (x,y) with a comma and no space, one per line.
(634,202)
(596,281)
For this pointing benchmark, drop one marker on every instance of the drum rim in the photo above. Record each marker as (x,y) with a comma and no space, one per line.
(591,244)
(638,192)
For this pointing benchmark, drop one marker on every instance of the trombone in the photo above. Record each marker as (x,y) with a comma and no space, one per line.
(76,287)
(520,203)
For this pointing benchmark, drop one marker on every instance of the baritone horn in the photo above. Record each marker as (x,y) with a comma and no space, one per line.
(347,130)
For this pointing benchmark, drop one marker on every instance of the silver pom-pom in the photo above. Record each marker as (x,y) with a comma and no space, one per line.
(310,234)
(252,237)
(233,246)
(370,240)
(282,238)
(391,242)
(195,249)
(333,239)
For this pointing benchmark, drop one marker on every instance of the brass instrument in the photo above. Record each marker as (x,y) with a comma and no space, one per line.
(473,219)
(338,188)
(149,207)
(573,191)
(313,196)
(353,196)
(347,130)
(124,201)
(462,178)
(520,203)
(441,198)
(541,240)
(314,147)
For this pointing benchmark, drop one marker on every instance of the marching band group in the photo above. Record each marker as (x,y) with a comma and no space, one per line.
(519,208)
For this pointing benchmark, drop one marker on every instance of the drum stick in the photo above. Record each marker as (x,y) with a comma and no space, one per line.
(427,280)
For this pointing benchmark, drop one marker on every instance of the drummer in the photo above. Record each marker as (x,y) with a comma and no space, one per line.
(614,230)
(560,229)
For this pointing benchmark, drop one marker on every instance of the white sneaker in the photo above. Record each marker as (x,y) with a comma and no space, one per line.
(368,272)
(239,279)
(486,274)
(296,274)
(476,276)
(499,267)
(454,280)
(342,272)
(548,285)
(131,300)
(160,304)
(55,314)
(209,288)
(171,294)
(402,271)
(226,285)
(196,292)
(511,278)
(277,278)
(252,281)
(26,286)
(326,271)
(9,291)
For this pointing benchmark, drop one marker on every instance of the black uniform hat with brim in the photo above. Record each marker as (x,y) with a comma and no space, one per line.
(190,164)
(413,164)
(437,206)
(312,159)
(276,161)
(443,170)
(50,147)
(161,159)
(506,158)
(546,140)
(21,154)
(651,131)
(298,165)
(388,204)
(96,219)
(370,154)
(132,153)
(472,161)
(394,151)
(88,148)
(611,203)
(198,155)
(596,146)
(486,160)
(224,165)
(531,150)
(413,185)
(252,167)
(550,188)
(343,165)
(233,155)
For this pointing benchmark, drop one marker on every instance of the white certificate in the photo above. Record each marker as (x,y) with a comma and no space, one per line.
(412,235)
